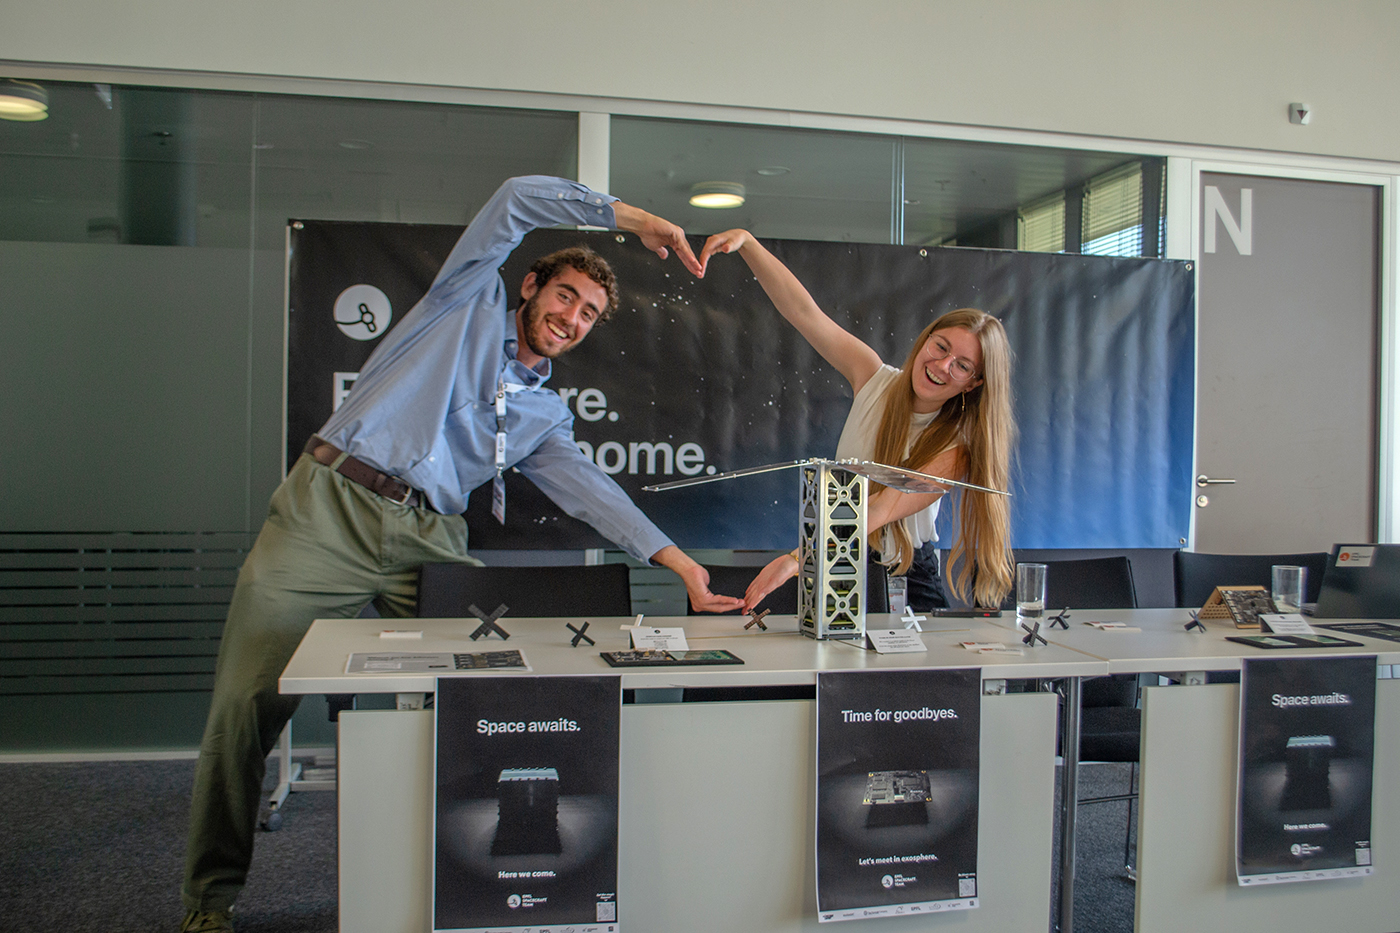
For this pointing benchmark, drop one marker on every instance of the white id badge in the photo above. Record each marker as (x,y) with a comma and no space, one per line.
(498,498)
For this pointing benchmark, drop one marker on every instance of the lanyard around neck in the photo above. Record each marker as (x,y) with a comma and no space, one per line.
(503,389)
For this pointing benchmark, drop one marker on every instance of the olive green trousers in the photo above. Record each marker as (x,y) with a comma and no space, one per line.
(328,547)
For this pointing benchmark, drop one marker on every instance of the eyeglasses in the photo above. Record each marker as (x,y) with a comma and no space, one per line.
(962,370)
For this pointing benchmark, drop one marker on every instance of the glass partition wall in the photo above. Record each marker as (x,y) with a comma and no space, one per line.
(143,249)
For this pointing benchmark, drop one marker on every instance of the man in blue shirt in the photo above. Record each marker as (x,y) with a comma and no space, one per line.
(453,396)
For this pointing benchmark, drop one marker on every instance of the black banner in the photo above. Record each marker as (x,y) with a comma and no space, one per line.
(1307,736)
(525,815)
(897,792)
(698,376)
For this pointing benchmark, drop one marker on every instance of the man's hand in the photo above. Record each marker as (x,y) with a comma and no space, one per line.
(730,241)
(657,235)
(775,574)
(697,581)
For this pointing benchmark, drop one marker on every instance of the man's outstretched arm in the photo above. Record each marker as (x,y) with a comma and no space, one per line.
(580,488)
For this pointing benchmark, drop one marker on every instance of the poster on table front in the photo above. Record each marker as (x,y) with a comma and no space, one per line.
(1307,735)
(525,804)
(897,774)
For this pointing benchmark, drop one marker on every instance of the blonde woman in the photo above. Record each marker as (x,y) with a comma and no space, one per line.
(946,412)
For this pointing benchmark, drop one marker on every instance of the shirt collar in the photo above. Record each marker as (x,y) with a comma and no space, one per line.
(532,377)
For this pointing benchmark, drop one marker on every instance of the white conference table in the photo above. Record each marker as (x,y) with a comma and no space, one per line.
(691,825)
(717,823)
(1190,750)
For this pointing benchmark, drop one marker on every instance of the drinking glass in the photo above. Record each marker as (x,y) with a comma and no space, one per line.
(1287,589)
(1030,592)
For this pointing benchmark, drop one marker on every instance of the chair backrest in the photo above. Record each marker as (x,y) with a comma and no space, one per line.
(1092,583)
(730,580)
(1197,575)
(446,590)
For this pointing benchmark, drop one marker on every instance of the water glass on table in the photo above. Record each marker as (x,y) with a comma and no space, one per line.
(1287,589)
(1030,593)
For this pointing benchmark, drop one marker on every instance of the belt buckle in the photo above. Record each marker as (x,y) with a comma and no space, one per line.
(408,493)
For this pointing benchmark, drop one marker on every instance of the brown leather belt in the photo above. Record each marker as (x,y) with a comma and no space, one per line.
(390,487)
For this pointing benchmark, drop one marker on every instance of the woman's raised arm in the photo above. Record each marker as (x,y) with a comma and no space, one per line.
(851,356)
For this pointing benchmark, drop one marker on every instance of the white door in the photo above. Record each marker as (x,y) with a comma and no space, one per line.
(1289,288)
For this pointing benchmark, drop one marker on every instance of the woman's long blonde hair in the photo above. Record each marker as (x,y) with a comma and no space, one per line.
(981,425)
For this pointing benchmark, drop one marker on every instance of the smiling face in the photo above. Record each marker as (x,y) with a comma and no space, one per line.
(557,315)
(949,363)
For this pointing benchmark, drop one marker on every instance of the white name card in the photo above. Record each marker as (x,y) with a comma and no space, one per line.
(1285,623)
(659,639)
(895,640)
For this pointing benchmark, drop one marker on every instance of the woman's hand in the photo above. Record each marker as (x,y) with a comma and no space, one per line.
(778,572)
(730,241)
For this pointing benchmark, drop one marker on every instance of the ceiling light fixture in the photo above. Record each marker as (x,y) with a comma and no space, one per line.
(717,194)
(771,170)
(23,100)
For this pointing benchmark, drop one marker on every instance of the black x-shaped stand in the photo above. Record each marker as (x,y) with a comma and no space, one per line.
(1033,635)
(578,634)
(488,623)
(1060,620)
(756,618)
(1195,623)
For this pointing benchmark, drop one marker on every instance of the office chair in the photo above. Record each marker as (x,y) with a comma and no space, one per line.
(1195,576)
(446,590)
(1093,583)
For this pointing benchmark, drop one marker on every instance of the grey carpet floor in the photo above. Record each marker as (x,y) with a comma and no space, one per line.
(100,847)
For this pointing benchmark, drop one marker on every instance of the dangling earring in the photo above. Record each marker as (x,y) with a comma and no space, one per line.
(962,403)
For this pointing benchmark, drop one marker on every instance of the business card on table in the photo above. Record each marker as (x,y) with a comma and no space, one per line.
(659,639)
(1285,623)
(895,640)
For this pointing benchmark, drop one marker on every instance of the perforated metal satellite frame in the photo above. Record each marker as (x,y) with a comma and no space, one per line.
(831,523)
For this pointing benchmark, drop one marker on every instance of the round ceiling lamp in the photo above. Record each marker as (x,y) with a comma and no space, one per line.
(23,100)
(717,194)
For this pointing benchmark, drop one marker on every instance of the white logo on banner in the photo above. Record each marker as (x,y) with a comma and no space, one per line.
(362,312)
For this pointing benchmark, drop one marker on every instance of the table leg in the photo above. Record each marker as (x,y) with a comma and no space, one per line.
(1069,806)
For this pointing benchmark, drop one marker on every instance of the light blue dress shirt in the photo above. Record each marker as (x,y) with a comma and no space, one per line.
(423,407)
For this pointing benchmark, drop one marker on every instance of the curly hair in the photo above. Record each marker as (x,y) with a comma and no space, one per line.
(586,261)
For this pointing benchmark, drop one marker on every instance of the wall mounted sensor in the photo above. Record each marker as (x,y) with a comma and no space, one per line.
(1299,113)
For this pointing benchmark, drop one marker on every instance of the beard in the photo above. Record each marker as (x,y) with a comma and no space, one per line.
(532,321)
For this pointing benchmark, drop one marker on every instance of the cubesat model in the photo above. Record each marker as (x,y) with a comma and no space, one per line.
(1307,785)
(528,821)
(831,524)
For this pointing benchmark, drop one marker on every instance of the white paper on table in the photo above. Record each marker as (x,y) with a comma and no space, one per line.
(1285,623)
(895,640)
(990,647)
(659,639)
(1114,626)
